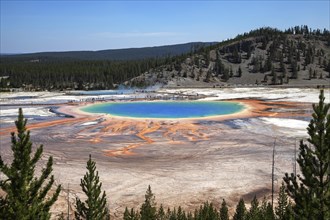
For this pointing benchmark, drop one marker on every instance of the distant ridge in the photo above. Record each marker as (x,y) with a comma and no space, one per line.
(116,54)
(8,54)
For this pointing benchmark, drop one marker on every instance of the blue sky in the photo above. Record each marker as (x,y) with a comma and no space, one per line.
(32,26)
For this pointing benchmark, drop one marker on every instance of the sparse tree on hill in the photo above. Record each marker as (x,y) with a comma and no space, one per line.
(207,77)
(294,70)
(311,190)
(328,69)
(27,196)
(321,76)
(225,75)
(239,71)
(310,73)
(274,76)
(231,72)
(95,206)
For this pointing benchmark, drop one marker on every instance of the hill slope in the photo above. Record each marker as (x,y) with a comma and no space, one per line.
(297,56)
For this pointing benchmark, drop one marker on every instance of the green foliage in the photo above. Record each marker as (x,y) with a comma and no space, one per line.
(131,215)
(266,210)
(148,208)
(181,215)
(207,212)
(240,212)
(95,206)
(224,211)
(282,210)
(254,212)
(27,196)
(311,190)
(161,215)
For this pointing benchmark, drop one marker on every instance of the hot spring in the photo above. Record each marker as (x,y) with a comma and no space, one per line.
(166,109)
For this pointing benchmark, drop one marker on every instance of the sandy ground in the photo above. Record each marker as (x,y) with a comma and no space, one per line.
(186,162)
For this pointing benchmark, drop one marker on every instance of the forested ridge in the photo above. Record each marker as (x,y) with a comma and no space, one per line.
(266,56)
(113,54)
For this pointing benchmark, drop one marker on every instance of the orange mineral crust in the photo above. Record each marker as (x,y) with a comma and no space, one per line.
(186,162)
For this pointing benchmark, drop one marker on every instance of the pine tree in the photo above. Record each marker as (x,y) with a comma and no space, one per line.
(27,196)
(310,73)
(239,71)
(127,214)
(161,213)
(294,70)
(231,72)
(240,210)
(266,210)
(281,209)
(190,216)
(225,75)
(95,206)
(289,215)
(172,215)
(274,76)
(224,211)
(148,208)
(207,211)
(130,215)
(181,215)
(254,212)
(311,190)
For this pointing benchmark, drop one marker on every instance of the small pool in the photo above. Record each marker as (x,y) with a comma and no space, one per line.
(166,109)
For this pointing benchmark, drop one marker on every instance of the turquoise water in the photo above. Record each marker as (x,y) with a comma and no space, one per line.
(173,109)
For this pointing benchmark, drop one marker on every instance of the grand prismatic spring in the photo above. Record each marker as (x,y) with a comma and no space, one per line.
(165,110)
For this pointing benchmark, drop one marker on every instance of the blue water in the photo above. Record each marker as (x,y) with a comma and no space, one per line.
(185,109)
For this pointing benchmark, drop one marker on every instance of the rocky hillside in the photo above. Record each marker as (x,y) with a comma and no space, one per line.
(298,56)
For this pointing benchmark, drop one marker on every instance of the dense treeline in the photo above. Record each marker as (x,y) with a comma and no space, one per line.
(207,211)
(74,74)
(112,54)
